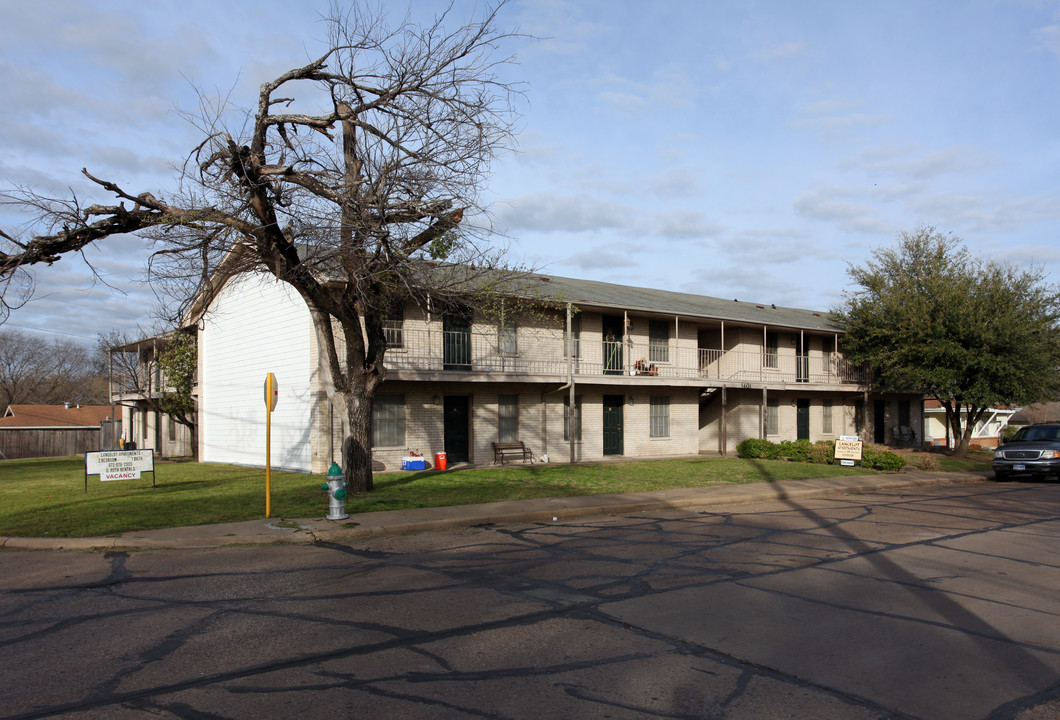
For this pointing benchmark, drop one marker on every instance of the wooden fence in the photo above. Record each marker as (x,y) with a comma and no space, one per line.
(58,442)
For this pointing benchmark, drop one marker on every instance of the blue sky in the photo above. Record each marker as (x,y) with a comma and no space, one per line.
(736,149)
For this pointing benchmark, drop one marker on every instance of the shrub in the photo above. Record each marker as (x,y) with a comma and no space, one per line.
(798,450)
(923,462)
(1008,431)
(756,448)
(822,452)
(880,458)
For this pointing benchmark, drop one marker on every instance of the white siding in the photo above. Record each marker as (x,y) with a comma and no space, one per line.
(257,325)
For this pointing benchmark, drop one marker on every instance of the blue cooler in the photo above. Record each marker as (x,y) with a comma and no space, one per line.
(413,463)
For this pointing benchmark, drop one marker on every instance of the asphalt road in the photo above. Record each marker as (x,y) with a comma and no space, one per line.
(932,602)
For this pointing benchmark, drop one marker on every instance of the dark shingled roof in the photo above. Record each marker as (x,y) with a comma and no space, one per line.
(596,294)
(602,295)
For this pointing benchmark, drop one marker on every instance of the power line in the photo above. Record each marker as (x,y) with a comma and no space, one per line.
(54,332)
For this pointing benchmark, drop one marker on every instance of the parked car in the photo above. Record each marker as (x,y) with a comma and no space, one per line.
(1033,450)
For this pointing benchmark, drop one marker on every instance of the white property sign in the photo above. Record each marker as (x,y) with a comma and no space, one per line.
(848,449)
(119,464)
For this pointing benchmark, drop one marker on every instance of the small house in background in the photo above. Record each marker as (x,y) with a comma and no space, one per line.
(986,433)
(28,431)
(1042,412)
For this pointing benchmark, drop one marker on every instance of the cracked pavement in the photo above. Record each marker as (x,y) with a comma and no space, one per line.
(929,602)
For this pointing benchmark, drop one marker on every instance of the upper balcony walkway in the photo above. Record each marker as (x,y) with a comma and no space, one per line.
(485,353)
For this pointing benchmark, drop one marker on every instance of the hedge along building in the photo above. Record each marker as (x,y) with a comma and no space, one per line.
(649,373)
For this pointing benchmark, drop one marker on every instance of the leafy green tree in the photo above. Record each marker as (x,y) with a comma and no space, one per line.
(929,317)
(178,362)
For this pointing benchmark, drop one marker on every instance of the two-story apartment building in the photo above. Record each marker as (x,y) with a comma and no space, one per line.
(136,383)
(648,373)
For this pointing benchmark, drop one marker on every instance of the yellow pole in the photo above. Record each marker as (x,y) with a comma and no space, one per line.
(270,403)
(268,462)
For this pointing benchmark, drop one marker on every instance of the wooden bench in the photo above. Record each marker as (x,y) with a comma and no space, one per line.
(514,449)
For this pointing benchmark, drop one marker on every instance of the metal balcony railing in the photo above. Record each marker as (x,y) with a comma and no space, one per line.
(544,354)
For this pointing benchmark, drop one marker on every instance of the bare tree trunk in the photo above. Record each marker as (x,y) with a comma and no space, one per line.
(357,446)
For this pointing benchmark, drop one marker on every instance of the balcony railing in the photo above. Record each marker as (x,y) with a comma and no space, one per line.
(483,352)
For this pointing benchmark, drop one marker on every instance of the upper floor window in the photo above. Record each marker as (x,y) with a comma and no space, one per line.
(658,341)
(507,337)
(574,341)
(769,357)
(394,327)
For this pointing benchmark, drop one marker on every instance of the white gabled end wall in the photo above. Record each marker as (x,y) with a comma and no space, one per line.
(256,325)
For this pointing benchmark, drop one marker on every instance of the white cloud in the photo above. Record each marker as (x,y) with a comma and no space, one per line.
(1049,38)
(969,212)
(685,224)
(834,205)
(604,257)
(548,212)
(676,182)
(910,164)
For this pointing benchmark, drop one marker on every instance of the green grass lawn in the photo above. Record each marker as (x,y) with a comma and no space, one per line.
(46,496)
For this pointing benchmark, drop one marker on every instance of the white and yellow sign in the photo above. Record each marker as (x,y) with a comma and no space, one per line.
(848,450)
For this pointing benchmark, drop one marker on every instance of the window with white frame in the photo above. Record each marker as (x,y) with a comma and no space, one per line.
(659,413)
(574,341)
(507,337)
(394,327)
(507,418)
(770,357)
(773,417)
(577,419)
(826,417)
(658,341)
(388,420)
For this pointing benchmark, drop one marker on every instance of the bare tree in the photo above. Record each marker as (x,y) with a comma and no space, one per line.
(353,171)
(34,371)
(1042,412)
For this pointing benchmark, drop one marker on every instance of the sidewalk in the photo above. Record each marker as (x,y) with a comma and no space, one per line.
(398,522)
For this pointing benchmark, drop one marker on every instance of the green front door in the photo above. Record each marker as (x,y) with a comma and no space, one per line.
(613,424)
(456,423)
(802,418)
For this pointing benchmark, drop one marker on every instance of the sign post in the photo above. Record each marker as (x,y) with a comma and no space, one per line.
(271,391)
